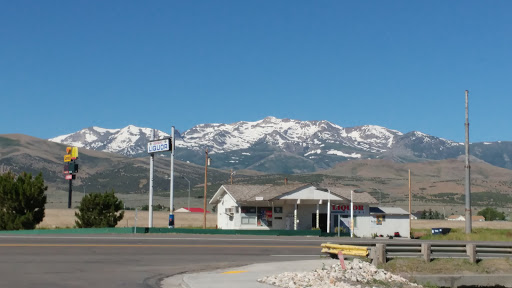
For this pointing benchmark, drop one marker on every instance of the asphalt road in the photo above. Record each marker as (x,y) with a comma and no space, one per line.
(135,260)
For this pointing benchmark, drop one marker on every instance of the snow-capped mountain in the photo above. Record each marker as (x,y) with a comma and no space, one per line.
(282,133)
(130,140)
(286,134)
(274,145)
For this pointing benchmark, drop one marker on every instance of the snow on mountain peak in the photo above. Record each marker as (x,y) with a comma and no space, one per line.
(288,134)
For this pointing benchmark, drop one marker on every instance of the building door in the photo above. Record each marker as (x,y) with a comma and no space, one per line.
(322,221)
(289,222)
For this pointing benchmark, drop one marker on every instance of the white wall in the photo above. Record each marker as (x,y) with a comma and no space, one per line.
(225,221)
(390,225)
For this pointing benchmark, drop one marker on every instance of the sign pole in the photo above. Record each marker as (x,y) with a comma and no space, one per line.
(152,159)
(70,192)
(171,204)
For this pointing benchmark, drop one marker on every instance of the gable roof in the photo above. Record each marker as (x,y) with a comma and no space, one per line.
(245,193)
(194,210)
(388,210)
(478,218)
(357,197)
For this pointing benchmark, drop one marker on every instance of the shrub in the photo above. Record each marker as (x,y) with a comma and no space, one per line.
(99,210)
(491,214)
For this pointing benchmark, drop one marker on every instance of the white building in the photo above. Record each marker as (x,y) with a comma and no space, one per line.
(303,207)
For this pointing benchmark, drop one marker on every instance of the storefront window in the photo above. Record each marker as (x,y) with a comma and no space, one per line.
(248,216)
(264,216)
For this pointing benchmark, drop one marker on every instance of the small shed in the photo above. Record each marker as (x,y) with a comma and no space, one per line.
(389,221)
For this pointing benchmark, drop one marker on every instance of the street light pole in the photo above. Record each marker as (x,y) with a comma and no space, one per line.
(188,191)
(206,163)
(232,173)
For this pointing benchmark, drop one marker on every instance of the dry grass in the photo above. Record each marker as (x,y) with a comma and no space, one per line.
(428,224)
(447,266)
(65,218)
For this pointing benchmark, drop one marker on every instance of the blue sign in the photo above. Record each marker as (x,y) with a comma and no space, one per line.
(171,221)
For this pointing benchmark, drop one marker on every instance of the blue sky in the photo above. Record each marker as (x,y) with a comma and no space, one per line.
(67,65)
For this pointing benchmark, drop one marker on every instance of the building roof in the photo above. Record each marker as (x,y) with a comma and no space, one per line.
(455,217)
(478,218)
(195,210)
(246,193)
(357,197)
(388,211)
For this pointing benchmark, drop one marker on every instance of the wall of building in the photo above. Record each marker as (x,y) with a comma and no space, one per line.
(226,221)
(365,224)
(390,225)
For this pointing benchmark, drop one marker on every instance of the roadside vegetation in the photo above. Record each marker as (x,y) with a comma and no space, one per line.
(418,266)
(99,210)
(22,201)
(478,234)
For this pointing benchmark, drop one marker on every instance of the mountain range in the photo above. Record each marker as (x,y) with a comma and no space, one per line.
(289,146)
(435,183)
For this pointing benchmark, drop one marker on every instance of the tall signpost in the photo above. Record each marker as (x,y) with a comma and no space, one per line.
(151,168)
(70,169)
(171,197)
(155,146)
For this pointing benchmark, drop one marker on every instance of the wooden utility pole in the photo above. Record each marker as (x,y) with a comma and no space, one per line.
(467,167)
(231,173)
(410,211)
(205,186)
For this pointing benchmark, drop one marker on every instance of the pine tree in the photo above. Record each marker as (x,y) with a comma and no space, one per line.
(22,201)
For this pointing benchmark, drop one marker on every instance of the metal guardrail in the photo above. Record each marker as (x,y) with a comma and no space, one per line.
(350,250)
(380,252)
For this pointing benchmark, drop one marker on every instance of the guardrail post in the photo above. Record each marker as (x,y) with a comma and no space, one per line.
(373,255)
(425,251)
(471,251)
(381,253)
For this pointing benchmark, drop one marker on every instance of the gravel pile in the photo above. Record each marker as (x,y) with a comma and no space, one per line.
(358,274)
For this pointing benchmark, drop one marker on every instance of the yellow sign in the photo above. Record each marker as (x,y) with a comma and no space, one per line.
(74,153)
(67,158)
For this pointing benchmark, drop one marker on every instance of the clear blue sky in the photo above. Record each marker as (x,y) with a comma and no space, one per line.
(67,65)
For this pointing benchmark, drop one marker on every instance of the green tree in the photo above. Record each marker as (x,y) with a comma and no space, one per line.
(99,210)
(22,201)
(491,214)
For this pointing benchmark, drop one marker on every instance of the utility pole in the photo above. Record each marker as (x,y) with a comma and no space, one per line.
(467,168)
(410,211)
